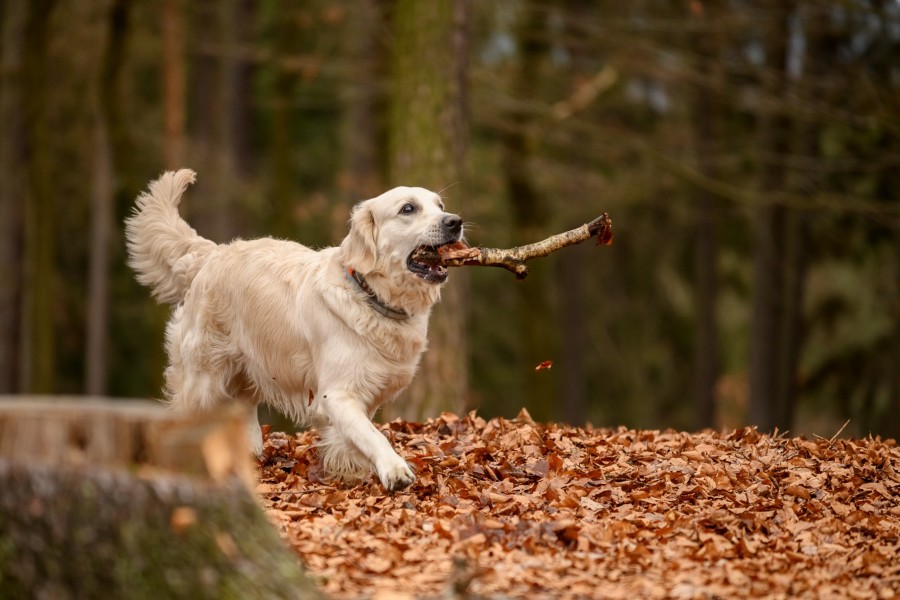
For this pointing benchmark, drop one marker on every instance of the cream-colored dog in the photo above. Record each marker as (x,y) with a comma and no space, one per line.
(326,337)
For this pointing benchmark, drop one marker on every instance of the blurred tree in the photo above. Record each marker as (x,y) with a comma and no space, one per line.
(425,132)
(573,271)
(707,109)
(103,206)
(12,189)
(767,348)
(139,118)
(215,61)
(284,43)
(813,83)
(363,98)
(40,312)
(173,84)
(239,71)
(528,208)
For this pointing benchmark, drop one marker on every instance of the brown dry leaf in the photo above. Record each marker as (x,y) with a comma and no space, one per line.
(520,509)
(797,490)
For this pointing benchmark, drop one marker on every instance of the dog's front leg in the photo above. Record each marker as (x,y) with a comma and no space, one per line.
(349,419)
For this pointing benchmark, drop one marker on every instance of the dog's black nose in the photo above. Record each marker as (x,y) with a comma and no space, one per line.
(453,224)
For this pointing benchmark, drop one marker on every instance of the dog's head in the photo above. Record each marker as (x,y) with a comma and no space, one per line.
(387,230)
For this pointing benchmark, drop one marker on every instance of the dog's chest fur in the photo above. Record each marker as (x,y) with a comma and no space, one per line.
(298,331)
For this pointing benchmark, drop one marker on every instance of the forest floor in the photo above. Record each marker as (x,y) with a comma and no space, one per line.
(518,509)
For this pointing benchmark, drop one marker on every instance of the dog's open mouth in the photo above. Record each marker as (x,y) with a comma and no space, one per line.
(429,270)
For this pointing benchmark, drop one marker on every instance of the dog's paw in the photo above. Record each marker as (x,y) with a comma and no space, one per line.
(396,477)
(342,461)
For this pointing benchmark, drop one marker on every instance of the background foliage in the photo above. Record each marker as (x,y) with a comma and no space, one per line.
(748,153)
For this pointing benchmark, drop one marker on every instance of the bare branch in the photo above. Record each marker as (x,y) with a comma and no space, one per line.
(513,259)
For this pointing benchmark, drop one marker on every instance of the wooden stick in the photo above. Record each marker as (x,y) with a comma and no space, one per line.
(513,259)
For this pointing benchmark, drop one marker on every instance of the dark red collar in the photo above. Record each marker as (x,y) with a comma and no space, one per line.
(375,302)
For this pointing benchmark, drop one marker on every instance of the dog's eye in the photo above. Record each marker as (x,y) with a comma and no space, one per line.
(408,209)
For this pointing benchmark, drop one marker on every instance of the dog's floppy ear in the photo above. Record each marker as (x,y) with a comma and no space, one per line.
(358,247)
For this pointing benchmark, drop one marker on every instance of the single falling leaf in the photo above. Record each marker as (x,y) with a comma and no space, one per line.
(547,364)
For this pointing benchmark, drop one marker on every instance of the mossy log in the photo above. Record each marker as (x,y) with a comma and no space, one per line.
(128,500)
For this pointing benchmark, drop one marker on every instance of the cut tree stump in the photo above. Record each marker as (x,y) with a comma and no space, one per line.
(125,499)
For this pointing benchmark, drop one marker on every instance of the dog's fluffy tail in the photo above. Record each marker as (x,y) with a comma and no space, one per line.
(163,249)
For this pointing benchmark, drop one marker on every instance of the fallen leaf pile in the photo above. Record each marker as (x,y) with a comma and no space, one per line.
(514,508)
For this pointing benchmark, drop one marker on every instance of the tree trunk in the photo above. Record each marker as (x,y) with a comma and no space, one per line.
(892,424)
(126,499)
(39,347)
(424,136)
(577,341)
(707,117)
(821,49)
(529,213)
(222,148)
(362,127)
(103,205)
(98,268)
(12,189)
(174,94)
(574,272)
(890,182)
(242,96)
(769,279)
(282,221)
(212,96)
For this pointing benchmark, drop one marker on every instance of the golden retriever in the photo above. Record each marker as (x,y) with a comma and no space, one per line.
(326,337)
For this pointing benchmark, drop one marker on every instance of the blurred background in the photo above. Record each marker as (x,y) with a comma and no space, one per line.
(747,152)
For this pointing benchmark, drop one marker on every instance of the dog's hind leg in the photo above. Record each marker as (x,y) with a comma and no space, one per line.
(254,432)
(199,391)
(205,371)
(197,376)
(241,389)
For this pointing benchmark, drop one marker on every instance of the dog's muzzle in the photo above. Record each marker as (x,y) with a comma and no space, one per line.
(448,232)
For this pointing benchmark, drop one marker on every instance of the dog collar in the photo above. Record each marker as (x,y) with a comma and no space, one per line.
(375,302)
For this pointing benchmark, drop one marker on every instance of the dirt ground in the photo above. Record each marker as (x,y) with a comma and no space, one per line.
(518,509)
